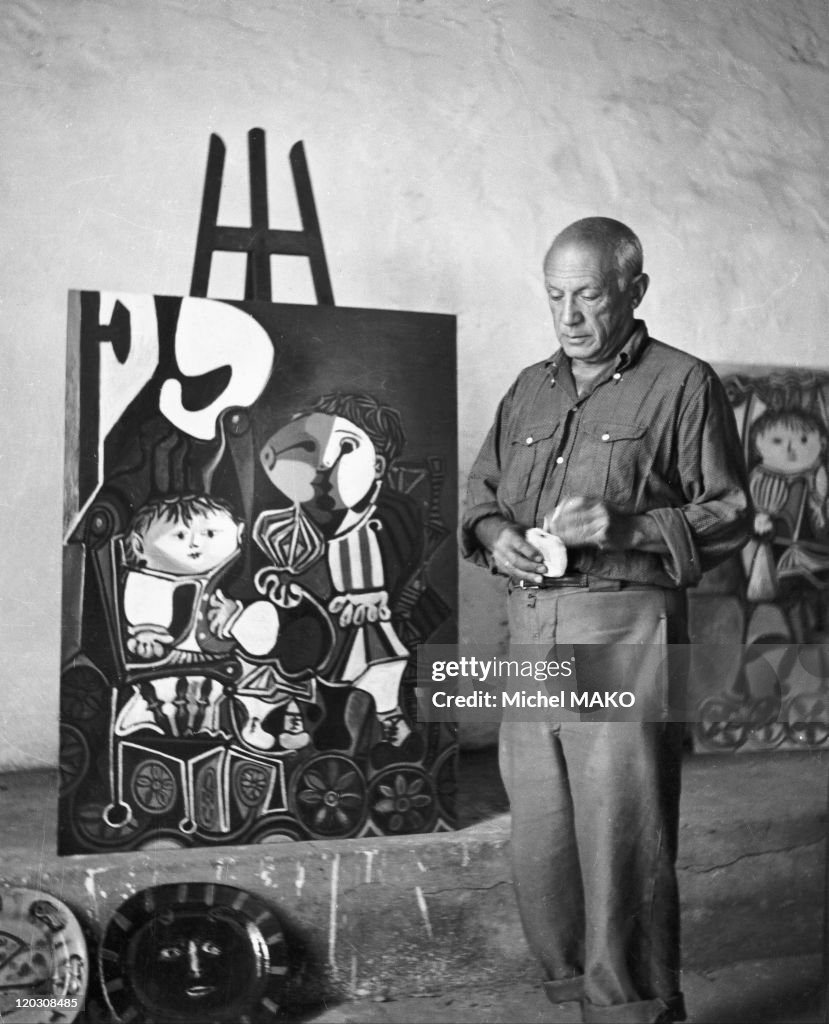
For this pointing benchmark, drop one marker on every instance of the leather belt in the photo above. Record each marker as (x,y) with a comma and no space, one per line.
(570,579)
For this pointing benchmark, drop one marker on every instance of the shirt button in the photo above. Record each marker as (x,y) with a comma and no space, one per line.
(617,376)
(529,440)
(605,437)
(560,459)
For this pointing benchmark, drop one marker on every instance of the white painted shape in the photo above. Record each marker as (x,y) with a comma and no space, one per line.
(210,335)
(120,383)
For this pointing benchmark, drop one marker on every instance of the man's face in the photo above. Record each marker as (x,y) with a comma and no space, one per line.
(323,461)
(593,317)
(192,965)
(191,549)
(789,448)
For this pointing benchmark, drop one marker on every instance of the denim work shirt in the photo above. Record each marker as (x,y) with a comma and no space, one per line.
(654,436)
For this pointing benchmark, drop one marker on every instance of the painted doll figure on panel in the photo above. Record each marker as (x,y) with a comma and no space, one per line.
(789,486)
(330,463)
(176,549)
(175,552)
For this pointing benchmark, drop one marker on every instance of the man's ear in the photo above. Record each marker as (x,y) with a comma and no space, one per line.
(240,533)
(637,288)
(380,465)
(136,543)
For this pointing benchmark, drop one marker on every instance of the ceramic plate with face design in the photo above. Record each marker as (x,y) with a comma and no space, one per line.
(43,958)
(194,952)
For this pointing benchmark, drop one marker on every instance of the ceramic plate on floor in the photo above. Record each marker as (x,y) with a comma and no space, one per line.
(43,959)
(194,952)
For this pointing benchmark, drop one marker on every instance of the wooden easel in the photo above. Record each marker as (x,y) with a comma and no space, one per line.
(259,241)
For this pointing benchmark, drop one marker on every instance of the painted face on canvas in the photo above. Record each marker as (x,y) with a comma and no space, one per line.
(323,461)
(789,447)
(191,548)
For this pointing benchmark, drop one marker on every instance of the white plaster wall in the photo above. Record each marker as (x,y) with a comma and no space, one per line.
(448,141)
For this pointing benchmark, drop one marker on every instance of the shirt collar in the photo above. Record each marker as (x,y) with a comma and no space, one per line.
(627,356)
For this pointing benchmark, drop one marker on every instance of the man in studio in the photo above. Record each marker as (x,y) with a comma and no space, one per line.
(627,450)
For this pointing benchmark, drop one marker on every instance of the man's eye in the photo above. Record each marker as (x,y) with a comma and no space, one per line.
(181,534)
(347,446)
(211,949)
(210,534)
(170,953)
(590,296)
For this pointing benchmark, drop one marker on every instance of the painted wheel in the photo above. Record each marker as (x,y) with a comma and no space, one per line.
(402,801)
(328,796)
(445,773)
(808,719)
(276,830)
(721,725)
(167,841)
(84,695)
(769,735)
(91,826)
(74,758)
(154,787)
(250,783)
(766,730)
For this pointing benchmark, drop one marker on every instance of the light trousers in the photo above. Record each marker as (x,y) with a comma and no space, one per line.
(595,807)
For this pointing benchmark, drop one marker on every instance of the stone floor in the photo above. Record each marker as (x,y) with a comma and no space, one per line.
(778,991)
(426,926)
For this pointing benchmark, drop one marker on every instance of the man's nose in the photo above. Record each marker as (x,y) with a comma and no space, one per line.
(195,540)
(193,957)
(570,313)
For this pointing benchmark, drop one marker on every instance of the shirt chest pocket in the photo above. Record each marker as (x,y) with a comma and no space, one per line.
(528,454)
(616,454)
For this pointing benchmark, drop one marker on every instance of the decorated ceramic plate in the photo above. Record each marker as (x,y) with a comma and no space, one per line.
(194,952)
(43,959)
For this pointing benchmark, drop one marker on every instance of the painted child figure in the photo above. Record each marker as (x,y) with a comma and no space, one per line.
(789,487)
(176,550)
(330,462)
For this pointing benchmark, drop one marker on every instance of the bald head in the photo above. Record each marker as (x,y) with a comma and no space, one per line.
(613,239)
(594,281)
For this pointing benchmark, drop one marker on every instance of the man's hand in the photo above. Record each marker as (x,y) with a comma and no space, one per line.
(591,523)
(513,555)
(588,523)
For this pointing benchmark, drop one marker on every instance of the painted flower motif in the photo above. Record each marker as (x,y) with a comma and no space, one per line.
(403,801)
(331,795)
(250,782)
(154,787)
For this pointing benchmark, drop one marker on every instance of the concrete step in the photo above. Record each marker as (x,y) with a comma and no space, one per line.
(393,917)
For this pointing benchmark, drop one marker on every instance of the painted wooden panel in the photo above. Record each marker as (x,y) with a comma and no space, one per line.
(260,509)
(761,621)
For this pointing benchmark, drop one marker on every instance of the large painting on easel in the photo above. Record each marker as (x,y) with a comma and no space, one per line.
(259,529)
(767,611)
